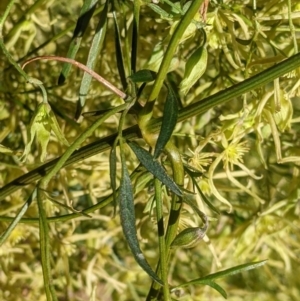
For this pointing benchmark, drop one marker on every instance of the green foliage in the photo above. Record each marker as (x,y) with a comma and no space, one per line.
(191,131)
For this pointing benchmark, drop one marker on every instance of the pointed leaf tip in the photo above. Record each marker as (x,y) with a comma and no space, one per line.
(154,167)
(168,122)
(127,215)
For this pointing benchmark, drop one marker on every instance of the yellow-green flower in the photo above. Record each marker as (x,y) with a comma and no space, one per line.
(234,153)
(200,160)
(41,124)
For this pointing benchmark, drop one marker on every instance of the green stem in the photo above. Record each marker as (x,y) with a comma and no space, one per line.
(199,107)
(161,240)
(45,247)
(4,16)
(147,112)
(178,176)
(18,217)
(64,218)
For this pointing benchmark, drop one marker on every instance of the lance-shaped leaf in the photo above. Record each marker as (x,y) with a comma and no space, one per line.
(119,53)
(169,121)
(224,273)
(95,48)
(215,286)
(143,76)
(154,167)
(127,214)
(113,172)
(194,69)
(86,13)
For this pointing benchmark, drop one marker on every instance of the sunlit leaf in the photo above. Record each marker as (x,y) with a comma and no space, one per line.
(156,8)
(194,69)
(127,214)
(86,13)
(119,53)
(154,167)
(6,150)
(169,121)
(93,56)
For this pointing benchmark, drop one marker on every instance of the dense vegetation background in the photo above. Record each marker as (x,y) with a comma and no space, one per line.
(245,151)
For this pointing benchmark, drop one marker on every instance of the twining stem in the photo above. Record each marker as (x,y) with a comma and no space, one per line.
(147,112)
(95,75)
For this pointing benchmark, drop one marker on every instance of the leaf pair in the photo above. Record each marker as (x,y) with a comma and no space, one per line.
(194,69)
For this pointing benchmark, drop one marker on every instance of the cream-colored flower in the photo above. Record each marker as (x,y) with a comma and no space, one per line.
(234,153)
(200,160)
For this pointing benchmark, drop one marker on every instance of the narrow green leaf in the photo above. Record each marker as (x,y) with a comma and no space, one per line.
(154,167)
(93,56)
(119,54)
(18,217)
(135,33)
(127,214)
(86,14)
(228,272)
(113,172)
(217,287)
(45,247)
(169,121)
(194,69)
(159,11)
(143,76)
